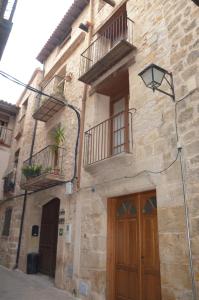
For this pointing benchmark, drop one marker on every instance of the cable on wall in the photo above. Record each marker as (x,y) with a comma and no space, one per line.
(28,87)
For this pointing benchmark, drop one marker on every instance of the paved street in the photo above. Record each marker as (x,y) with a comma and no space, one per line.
(15,285)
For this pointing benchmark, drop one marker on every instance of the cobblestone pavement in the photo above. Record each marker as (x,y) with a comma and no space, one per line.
(15,285)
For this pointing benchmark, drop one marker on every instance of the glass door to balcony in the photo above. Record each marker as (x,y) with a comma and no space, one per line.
(119,125)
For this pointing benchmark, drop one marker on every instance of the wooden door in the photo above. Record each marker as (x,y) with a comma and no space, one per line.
(48,238)
(150,264)
(133,257)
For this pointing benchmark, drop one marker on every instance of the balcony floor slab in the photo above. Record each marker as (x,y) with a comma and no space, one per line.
(48,109)
(106,62)
(41,182)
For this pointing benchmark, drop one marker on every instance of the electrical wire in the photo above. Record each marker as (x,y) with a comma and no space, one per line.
(29,87)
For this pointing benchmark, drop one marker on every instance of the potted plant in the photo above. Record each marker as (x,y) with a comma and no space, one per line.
(31,171)
(59,138)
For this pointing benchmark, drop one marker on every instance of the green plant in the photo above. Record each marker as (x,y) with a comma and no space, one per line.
(31,171)
(58,136)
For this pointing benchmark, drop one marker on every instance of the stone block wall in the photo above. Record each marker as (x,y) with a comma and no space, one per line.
(165,33)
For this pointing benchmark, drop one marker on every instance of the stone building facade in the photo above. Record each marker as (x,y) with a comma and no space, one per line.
(128,229)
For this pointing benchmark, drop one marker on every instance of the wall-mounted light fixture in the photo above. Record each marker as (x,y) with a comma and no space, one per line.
(111,2)
(153,76)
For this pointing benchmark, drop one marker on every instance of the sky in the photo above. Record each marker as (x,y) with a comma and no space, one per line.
(33,23)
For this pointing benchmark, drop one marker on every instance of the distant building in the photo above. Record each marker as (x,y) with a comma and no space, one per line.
(8,114)
(7,9)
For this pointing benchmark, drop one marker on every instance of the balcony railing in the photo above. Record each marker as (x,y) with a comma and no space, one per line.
(109,138)
(5,136)
(113,43)
(43,169)
(48,106)
(9,183)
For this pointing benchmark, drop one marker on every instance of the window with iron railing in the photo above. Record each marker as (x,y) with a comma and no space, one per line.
(114,41)
(109,138)
(44,166)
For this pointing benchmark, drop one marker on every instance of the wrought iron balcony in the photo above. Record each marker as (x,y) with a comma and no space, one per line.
(43,169)
(109,138)
(114,42)
(48,106)
(9,183)
(5,136)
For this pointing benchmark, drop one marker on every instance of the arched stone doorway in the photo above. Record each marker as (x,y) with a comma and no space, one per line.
(48,237)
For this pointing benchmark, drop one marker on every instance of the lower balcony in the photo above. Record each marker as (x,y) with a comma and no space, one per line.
(5,136)
(108,139)
(44,169)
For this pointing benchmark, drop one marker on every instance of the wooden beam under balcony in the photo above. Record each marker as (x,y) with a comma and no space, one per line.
(41,182)
(48,109)
(106,62)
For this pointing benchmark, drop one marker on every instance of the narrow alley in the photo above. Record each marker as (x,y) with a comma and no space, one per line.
(15,285)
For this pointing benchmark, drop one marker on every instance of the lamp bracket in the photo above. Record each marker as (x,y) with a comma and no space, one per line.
(170,85)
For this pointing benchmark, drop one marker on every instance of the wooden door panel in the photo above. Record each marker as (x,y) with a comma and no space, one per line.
(133,285)
(151,284)
(120,242)
(121,284)
(150,251)
(48,238)
(132,247)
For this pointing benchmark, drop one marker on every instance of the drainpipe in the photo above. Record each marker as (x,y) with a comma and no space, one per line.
(83,111)
(25,196)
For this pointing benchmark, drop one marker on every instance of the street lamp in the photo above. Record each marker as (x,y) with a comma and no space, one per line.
(153,77)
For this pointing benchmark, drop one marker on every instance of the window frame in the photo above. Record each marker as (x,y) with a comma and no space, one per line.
(7,222)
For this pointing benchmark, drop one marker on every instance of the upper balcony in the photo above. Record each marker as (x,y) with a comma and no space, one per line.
(113,43)
(5,136)
(9,183)
(48,105)
(43,169)
(7,9)
(110,138)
